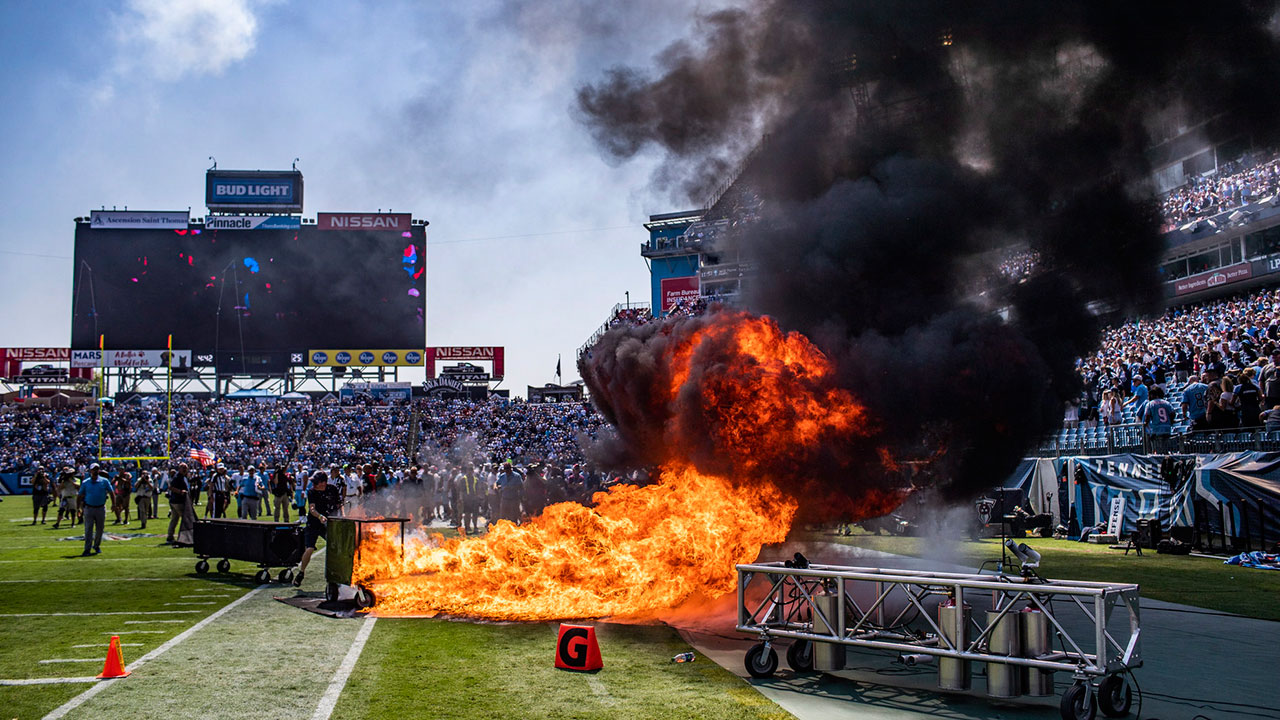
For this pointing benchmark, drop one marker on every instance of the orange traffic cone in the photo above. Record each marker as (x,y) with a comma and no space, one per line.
(114,666)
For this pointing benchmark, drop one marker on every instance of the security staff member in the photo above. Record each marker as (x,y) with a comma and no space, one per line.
(219,491)
(94,492)
(323,500)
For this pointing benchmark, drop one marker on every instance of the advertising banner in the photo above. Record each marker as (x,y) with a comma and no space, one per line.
(252,222)
(678,288)
(130,358)
(138,220)
(35,354)
(400,391)
(253,190)
(494,354)
(59,378)
(398,222)
(364,358)
(1213,278)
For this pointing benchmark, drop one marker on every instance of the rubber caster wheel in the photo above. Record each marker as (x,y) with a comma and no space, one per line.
(800,656)
(761,661)
(331,592)
(1114,696)
(364,598)
(224,566)
(202,566)
(285,576)
(1079,703)
(263,576)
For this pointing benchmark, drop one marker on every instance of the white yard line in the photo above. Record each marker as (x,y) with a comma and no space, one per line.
(201,596)
(330,698)
(134,632)
(151,622)
(106,644)
(76,580)
(95,614)
(83,697)
(71,660)
(48,681)
(194,603)
(101,559)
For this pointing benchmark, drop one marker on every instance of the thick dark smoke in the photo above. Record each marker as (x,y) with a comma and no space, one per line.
(897,148)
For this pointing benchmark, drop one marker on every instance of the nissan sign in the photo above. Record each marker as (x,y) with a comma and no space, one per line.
(398,222)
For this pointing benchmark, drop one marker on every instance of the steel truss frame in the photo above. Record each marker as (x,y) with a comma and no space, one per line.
(789,610)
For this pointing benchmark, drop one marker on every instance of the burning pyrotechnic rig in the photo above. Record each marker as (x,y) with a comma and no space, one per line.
(929,615)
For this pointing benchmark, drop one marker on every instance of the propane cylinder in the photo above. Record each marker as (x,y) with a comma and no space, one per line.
(1036,641)
(953,674)
(827,657)
(1003,679)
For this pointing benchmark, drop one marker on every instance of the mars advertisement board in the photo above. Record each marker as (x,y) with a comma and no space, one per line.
(130,358)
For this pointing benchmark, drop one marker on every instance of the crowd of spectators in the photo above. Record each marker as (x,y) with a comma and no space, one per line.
(300,435)
(689,307)
(1236,340)
(1235,184)
(1018,265)
(461,462)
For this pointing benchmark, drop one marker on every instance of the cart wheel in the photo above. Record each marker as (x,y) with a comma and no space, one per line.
(761,661)
(1114,696)
(224,565)
(800,656)
(331,592)
(263,576)
(1079,703)
(285,576)
(365,598)
(202,566)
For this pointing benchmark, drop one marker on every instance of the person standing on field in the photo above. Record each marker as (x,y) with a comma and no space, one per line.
(144,494)
(94,493)
(323,501)
(68,489)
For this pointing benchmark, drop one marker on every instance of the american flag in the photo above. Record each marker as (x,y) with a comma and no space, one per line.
(202,454)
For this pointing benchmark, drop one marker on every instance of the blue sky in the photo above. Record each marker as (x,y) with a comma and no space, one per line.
(458,112)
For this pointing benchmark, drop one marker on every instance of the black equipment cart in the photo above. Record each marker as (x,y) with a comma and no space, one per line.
(342,550)
(269,544)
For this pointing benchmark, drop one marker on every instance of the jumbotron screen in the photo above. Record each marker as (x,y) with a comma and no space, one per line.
(249,290)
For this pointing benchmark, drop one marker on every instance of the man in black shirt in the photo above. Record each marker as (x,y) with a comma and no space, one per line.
(323,500)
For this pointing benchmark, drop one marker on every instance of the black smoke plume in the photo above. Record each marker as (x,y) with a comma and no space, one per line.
(895,150)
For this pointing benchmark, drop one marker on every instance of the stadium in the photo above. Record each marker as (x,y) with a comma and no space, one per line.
(956,393)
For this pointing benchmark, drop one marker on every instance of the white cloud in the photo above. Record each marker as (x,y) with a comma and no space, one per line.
(169,39)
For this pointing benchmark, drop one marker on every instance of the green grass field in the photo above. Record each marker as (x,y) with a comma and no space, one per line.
(1203,582)
(265,659)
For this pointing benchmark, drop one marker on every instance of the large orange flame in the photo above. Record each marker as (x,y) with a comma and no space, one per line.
(640,549)
(767,397)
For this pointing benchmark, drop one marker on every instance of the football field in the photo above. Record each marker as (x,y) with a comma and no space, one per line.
(222,646)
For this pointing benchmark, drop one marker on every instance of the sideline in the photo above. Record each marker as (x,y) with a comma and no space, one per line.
(83,697)
(48,681)
(113,612)
(85,580)
(330,699)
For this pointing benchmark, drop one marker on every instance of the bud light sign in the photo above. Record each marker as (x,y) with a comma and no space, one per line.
(253,191)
